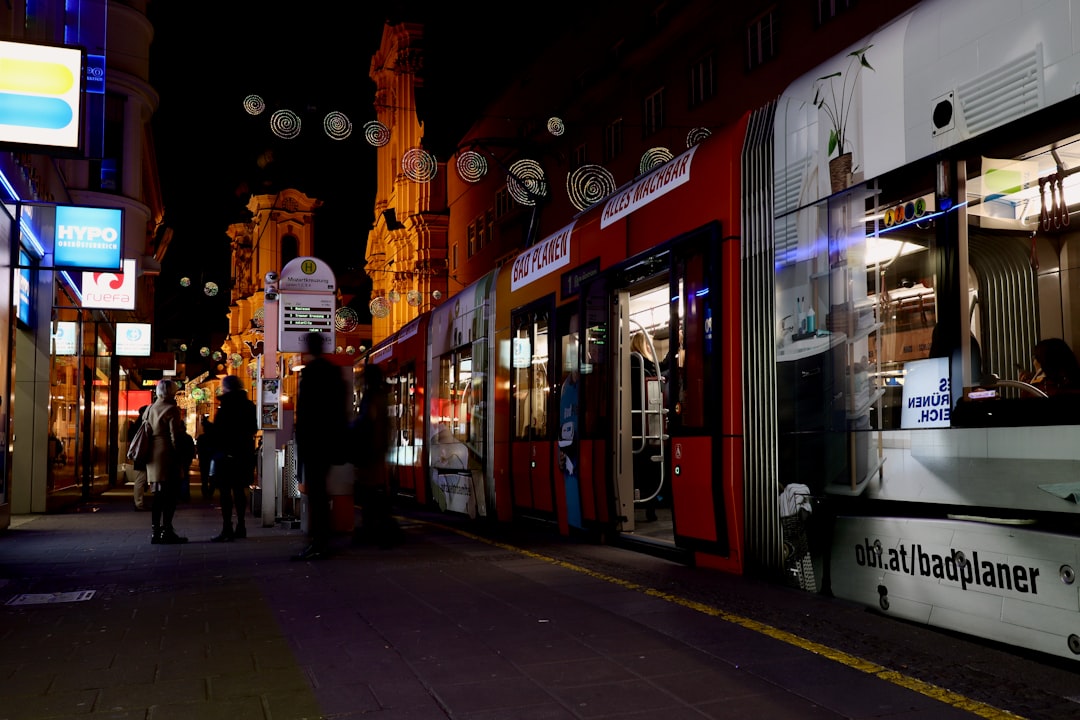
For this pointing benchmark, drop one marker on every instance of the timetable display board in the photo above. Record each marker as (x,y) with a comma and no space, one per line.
(303,313)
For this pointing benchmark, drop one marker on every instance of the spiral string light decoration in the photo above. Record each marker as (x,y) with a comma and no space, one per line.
(379,307)
(337,126)
(697,135)
(654,158)
(346,319)
(413,297)
(471,166)
(211,289)
(285,124)
(555,126)
(419,165)
(588,185)
(254,105)
(376,133)
(526,182)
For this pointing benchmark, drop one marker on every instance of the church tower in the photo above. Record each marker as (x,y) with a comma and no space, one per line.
(407,245)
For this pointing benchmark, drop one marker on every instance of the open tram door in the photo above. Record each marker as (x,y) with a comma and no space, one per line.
(677,414)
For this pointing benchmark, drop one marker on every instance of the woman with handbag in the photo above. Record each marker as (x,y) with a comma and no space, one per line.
(164,470)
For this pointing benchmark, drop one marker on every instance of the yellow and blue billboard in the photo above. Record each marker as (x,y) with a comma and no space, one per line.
(40,94)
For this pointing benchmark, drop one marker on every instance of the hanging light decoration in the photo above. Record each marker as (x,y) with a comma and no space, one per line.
(183,347)
(379,307)
(204,351)
(376,133)
(337,126)
(654,158)
(285,124)
(413,298)
(346,319)
(393,296)
(588,185)
(697,135)
(254,105)
(216,355)
(526,182)
(185,282)
(419,165)
(236,359)
(211,289)
(436,294)
(555,126)
(471,166)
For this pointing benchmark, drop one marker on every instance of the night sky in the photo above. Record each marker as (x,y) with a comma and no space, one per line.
(311,57)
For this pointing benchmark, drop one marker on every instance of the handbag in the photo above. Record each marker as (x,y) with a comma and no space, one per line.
(141,446)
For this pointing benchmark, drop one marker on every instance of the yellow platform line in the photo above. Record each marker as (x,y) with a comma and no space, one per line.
(870,668)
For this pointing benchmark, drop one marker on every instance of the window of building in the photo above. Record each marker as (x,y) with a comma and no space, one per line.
(581,157)
(653,120)
(107,175)
(702,79)
(828,9)
(470,239)
(613,140)
(453,257)
(503,202)
(761,40)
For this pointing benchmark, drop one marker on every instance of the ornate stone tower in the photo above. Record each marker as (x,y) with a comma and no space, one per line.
(281,228)
(407,245)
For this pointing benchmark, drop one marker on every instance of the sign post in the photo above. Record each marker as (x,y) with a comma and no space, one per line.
(307,303)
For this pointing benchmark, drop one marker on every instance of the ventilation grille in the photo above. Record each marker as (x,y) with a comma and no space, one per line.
(1011,91)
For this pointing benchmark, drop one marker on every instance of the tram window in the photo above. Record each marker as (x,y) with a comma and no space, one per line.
(531,383)
(691,363)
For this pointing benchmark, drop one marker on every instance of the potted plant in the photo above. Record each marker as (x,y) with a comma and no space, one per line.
(835,93)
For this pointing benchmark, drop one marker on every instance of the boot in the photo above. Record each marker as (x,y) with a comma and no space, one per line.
(155,539)
(169,537)
(240,532)
(226,534)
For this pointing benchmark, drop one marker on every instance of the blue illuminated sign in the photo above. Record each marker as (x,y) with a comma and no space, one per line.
(88,238)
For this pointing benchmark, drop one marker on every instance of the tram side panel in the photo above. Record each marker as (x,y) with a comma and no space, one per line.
(403,360)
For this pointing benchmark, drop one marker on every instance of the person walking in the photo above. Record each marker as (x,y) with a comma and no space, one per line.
(165,470)
(139,490)
(234,458)
(369,442)
(320,421)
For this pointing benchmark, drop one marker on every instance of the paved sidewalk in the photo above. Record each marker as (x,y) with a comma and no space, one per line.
(445,625)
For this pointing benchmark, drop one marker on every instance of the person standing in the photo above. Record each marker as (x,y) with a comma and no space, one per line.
(204,451)
(321,421)
(139,490)
(234,458)
(165,470)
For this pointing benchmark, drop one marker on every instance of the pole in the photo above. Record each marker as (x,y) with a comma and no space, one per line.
(270,487)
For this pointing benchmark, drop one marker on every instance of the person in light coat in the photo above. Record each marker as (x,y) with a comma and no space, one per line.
(165,471)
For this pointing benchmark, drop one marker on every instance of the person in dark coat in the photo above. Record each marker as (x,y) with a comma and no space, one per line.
(165,470)
(204,450)
(234,455)
(321,423)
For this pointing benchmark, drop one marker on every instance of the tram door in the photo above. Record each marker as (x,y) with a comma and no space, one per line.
(642,442)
